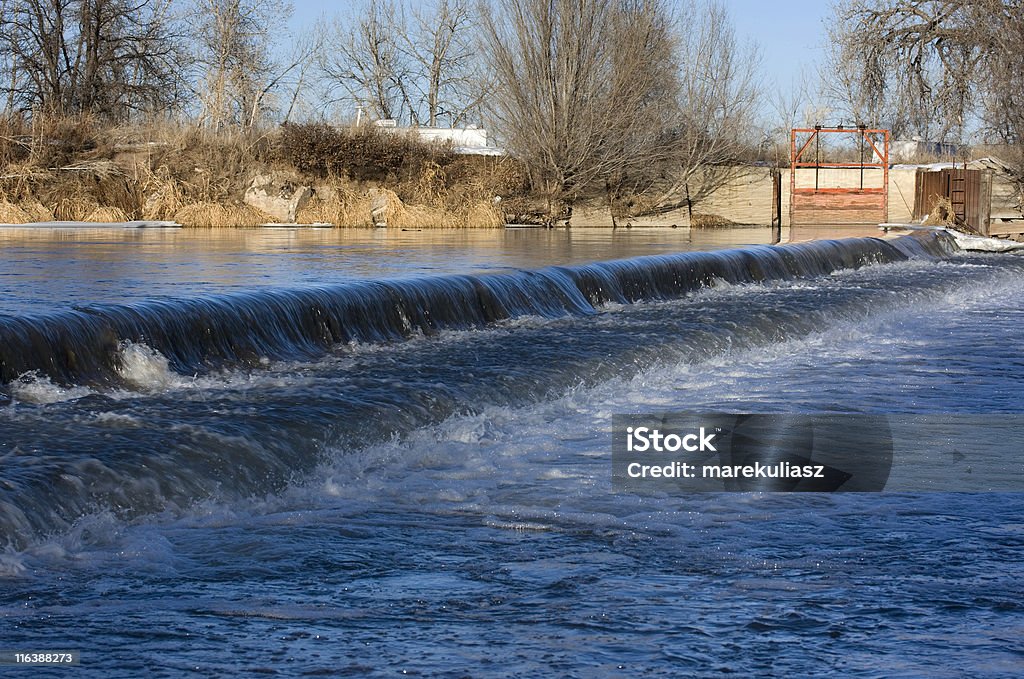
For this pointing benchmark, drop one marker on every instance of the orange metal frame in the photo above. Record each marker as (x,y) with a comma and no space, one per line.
(879,160)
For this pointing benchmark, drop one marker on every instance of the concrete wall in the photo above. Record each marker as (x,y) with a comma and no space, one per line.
(834,178)
(901,194)
(1006,198)
(744,198)
(747,199)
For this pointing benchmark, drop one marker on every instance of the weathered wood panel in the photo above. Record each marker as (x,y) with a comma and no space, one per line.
(841,207)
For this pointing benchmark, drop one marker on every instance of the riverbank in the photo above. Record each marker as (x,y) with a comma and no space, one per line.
(80,171)
(77,170)
(318,174)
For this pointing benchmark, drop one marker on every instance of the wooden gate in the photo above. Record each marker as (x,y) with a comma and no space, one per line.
(969,193)
(839,192)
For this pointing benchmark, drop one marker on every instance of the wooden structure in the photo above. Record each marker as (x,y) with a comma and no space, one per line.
(830,193)
(967,192)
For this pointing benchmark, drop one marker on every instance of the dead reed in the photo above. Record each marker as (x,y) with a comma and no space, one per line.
(211,215)
(13,214)
(107,215)
(709,221)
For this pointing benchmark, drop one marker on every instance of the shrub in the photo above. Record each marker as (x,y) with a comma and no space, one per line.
(206,165)
(359,154)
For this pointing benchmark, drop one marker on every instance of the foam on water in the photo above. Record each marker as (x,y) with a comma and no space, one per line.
(146,369)
(33,387)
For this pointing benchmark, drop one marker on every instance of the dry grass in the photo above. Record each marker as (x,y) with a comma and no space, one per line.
(396,214)
(342,206)
(162,197)
(48,141)
(709,221)
(206,166)
(942,214)
(29,212)
(484,214)
(69,193)
(431,186)
(107,215)
(208,215)
(318,211)
(82,170)
(37,212)
(13,214)
(363,154)
(74,208)
(339,205)
(423,217)
(389,210)
(183,169)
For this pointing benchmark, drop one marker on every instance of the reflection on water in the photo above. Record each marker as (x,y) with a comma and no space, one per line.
(43,269)
(796,234)
(47,268)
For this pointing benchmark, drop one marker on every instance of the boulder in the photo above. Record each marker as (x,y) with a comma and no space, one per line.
(383,203)
(277,195)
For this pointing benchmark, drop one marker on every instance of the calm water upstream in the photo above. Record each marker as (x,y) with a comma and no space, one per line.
(336,453)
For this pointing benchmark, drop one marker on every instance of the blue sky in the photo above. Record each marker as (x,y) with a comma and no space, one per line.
(790,33)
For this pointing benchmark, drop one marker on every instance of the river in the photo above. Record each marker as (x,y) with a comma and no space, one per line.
(371,453)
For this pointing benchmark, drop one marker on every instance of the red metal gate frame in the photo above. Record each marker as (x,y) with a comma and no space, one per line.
(879,160)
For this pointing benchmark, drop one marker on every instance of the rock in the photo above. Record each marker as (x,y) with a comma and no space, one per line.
(380,201)
(325,192)
(277,195)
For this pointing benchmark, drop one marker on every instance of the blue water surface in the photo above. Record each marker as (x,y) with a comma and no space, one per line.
(474,531)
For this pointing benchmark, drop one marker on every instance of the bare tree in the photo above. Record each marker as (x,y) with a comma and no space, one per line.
(419,65)
(941,69)
(912,65)
(368,62)
(240,69)
(718,99)
(297,66)
(1003,114)
(584,90)
(644,81)
(106,57)
(793,106)
(601,92)
(439,41)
